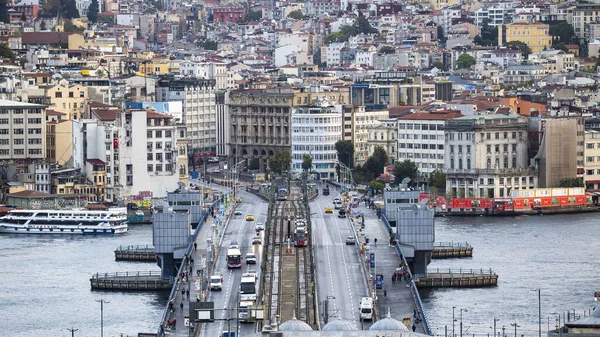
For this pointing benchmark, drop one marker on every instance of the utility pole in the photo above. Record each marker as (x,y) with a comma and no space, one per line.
(503,329)
(516,326)
(540,311)
(102,301)
(72,330)
(495,320)
(453,320)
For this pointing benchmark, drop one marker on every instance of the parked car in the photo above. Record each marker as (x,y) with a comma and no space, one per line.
(215,283)
(132,206)
(350,240)
(250,258)
(256,240)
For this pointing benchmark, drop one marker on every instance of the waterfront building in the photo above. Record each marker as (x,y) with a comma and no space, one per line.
(259,124)
(59,131)
(315,130)
(22,131)
(357,121)
(591,164)
(560,153)
(421,139)
(486,156)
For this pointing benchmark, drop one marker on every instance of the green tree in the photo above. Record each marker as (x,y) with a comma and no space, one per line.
(208,44)
(571,182)
(375,163)
(562,32)
(561,46)
(253,16)
(296,15)
(489,35)
(345,152)
(280,161)
(439,65)
(306,162)
(521,46)
(5,52)
(406,169)
(386,50)
(93,11)
(336,37)
(440,33)
(70,27)
(437,180)
(254,164)
(465,61)
(376,185)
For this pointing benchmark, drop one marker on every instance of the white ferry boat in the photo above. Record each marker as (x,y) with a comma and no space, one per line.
(113,221)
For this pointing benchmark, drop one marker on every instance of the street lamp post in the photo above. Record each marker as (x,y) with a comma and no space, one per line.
(461,324)
(72,331)
(540,311)
(453,320)
(495,320)
(516,326)
(102,301)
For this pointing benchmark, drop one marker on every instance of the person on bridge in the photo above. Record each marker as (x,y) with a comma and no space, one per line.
(195,246)
(181,307)
(385,292)
(198,298)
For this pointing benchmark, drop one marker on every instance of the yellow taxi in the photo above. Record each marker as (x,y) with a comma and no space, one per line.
(249,217)
(328,209)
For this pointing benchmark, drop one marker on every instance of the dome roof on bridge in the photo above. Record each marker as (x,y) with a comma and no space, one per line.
(339,324)
(388,324)
(294,325)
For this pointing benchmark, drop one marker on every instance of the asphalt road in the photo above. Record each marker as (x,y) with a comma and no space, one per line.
(241,231)
(339,273)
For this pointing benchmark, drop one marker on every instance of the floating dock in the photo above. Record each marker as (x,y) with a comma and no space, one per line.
(135,253)
(132,281)
(460,278)
(448,250)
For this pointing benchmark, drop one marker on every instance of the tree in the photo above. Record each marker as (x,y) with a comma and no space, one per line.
(376,185)
(281,161)
(306,162)
(465,61)
(437,180)
(345,152)
(439,65)
(375,163)
(561,46)
(296,15)
(254,164)
(93,11)
(208,44)
(489,35)
(335,37)
(562,32)
(571,182)
(253,16)
(386,50)
(5,52)
(440,33)
(70,27)
(406,169)
(521,46)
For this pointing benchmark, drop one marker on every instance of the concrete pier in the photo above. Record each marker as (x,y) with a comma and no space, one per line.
(135,253)
(448,250)
(133,281)
(461,278)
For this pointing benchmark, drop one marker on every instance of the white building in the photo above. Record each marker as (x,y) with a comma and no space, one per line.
(494,14)
(421,139)
(22,131)
(486,156)
(315,130)
(502,57)
(330,54)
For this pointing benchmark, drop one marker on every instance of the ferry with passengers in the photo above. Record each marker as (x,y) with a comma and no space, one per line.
(27,221)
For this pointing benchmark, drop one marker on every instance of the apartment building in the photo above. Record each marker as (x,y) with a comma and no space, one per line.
(259,124)
(384,135)
(22,131)
(360,121)
(315,130)
(59,133)
(486,156)
(421,139)
(591,165)
(584,15)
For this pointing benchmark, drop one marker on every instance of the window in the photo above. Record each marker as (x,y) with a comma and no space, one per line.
(589,159)
(514,135)
(497,135)
(35,151)
(58,94)
(34,131)
(452,163)
(168,134)
(158,134)
(18,121)
(505,147)
(590,172)
(468,163)
(514,147)
(148,134)
(19,141)
(460,165)
(150,168)
(468,148)
(71,95)
(159,157)
(149,156)
(514,162)
(18,131)
(34,141)
(18,152)
(505,162)
(489,148)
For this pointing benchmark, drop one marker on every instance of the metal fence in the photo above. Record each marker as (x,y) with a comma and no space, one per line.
(134,274)
(452,244)
(413,287)
(135,247)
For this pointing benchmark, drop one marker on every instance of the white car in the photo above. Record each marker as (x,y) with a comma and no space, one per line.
(259,227)
(256,240)
(216,170)
(250,258)
(237,212)
(216,283)
(234,245)
(139,213)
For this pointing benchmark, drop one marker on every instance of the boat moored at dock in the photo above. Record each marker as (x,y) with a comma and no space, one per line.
(113,221)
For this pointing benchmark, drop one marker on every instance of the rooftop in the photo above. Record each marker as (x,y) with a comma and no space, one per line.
(17,104)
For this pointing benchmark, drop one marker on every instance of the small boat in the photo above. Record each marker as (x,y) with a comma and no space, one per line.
(113,221)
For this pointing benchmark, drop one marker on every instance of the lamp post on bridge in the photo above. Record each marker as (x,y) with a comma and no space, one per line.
(461,321)
(495,320)
(102,301)
(516,326)
(72,331)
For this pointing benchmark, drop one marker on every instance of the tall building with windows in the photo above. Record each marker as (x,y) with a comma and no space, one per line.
(22,131)
(486,156)
(315,130)
(421,139)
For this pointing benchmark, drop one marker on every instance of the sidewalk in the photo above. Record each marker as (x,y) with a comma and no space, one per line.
(203,257)
(399,299)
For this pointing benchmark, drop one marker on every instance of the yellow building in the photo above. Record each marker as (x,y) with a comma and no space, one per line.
(306,97)
(155,67)
(439,4)
(59,137)
(535,35)
(69,100)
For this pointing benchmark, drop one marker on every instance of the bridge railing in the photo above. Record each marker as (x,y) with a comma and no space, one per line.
(184,266)
(126,274)
(135,247)
(460,271)
(452,244)
(413,287)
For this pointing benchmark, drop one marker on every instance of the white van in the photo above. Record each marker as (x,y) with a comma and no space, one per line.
(366,308)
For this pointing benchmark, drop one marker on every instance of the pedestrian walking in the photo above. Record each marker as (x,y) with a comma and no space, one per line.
(182,292)
(187,293)
(384,293)
(198,298)
(414,328)
(181,307)
(195,246)
(393,278)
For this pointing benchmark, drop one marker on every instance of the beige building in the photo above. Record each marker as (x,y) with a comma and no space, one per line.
(384,135)
(59,137)
(360,122)
(69,100)
(592,160)
(22,131)
(557,156)
(259,124)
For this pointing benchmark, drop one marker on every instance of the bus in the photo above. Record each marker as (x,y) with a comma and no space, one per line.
(234,258)
(300,236)
(248,287)
(282,194)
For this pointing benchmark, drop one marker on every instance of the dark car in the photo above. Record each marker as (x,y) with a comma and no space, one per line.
(132,206)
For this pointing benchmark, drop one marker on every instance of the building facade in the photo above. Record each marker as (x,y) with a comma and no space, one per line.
(535,35)
(315,130)
(486,156)
(592,161)
(384,135)
(22,131)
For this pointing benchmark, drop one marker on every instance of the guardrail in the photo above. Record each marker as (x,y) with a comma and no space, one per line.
(184,265)
(460,271)
(135,247)
(127,274)
(452,244)
(413,287)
